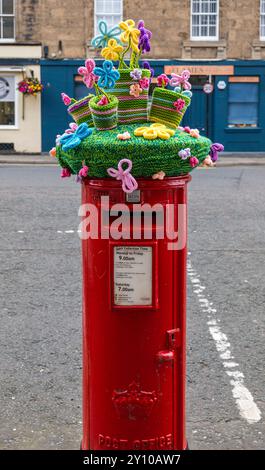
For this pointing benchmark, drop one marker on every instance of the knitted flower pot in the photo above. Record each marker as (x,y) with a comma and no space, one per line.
(80,111)
(105,116)
(168,107)
(131,108)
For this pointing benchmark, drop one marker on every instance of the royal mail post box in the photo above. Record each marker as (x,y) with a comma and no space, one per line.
(134,316)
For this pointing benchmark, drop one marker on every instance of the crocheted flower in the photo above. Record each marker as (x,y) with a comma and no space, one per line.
(52,152)
(215,148)
(159,176)
(66,99)
(194,161)
(144,39)
(124,136)
(136,74)
(65,173)
(105,35)
(112,51)
(162,80)
(144,83)
(57,141)
(147,66)
(70,141)
(72,128)
(135,90)
(187,129)
(103,101)
(89,78)
(107,74)
(179,104)
(182,80)
(130,34)
(208,162)
(184,154)
(154,131)
(195,133)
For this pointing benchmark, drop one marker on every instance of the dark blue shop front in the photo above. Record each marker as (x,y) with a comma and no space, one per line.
(232,113)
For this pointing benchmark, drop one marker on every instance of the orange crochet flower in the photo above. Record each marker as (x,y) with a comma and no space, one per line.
(135,90)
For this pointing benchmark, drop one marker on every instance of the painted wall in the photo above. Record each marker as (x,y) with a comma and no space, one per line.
(27,134)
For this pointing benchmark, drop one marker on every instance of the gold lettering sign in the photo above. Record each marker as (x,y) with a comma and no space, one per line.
(200,69)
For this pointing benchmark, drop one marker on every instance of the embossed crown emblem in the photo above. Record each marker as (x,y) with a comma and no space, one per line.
(134,403)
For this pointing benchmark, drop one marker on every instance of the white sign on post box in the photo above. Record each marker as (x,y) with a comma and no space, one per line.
(133,275)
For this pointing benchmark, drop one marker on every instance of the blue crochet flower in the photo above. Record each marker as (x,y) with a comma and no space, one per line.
(70,141)
(107,74)
(102,39)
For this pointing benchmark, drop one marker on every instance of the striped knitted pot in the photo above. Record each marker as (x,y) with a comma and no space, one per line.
(163,109)
(80,111)
(105,117)
(131,109)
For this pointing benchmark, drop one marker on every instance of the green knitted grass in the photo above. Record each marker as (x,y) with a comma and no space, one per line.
(103,150)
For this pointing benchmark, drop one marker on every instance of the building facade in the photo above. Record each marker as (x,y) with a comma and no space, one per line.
(222,42)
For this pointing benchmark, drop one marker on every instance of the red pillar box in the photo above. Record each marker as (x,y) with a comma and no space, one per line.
(134,316)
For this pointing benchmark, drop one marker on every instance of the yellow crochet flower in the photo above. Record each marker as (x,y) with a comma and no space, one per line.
(130,34)
(155,131)
(112,51)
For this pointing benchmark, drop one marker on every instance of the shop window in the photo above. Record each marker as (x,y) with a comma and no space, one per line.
(7,20)
(243,101)
(109,11)
(204,20)
(7,101)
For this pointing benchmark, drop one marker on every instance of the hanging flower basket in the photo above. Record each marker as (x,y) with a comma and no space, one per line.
(30,86)
(104,116)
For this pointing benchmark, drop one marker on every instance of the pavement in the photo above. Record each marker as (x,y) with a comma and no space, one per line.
(40,315)
(225,159)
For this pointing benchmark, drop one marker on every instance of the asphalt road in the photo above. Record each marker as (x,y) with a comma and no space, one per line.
(40,309)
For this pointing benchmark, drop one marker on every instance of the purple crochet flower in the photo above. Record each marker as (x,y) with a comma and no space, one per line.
(144,38)
(147,66)
(184,154)
(136,74)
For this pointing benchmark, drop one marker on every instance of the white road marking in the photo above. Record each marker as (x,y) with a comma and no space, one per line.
(20,231)
(244,400)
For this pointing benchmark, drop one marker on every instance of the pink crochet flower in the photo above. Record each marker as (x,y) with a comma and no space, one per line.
(103,101)
(83,172)
(72,128)
(194,161)
(65,173)
(144,83)
(195,133)
(187,129)
(135,90)
(66,99)
(162,80)
(89,78)
(179,104)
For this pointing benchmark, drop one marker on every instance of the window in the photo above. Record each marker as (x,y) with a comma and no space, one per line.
(108,10)
(262,20)
(7,20)
(243,100)
(204,20)
(7,101)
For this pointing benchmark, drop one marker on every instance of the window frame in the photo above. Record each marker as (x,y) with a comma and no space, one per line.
(103,14)
(262,14)
(6,40)
(205,38)
(15,126)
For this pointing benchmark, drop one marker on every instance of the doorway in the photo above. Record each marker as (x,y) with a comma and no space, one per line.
(199,113)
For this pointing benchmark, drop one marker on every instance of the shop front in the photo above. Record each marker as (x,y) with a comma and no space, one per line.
(227,104)
(20,112)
